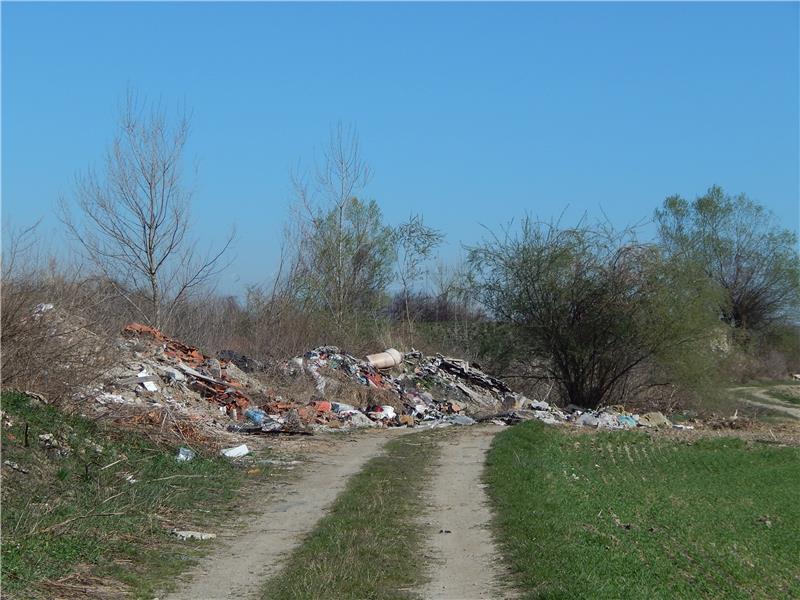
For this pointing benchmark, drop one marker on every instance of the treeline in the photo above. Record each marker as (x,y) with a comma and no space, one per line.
(589,312)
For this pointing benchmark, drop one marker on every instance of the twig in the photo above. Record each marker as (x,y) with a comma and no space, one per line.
(547,395)
(174,476)
(113,463)
(70,520)
(114,496)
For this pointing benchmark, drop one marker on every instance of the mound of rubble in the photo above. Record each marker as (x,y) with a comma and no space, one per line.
(439,391)
(325,389)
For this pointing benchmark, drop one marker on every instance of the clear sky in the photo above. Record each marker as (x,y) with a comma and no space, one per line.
(470,114)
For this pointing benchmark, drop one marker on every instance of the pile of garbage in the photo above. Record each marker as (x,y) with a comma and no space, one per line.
(411,389)
(388,389)
(440,391)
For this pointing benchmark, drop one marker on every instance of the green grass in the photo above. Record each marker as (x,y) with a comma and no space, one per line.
(624,515)
(369,545)
(784,396)
(74,513)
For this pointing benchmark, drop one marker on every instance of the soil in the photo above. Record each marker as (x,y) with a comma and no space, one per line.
(465,562)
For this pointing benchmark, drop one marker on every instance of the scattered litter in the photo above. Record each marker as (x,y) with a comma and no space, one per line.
(41,309)
(16,467)
(654,419)
(236,452)
(49,442)
(681,426)
(245,363)
(172,374)
(193,535)
(256,415)
(146,380)
(106,398)
(461,420)
(185,454)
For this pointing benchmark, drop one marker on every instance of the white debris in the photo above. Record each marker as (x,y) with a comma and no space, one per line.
(171,373)
(148,385)
(106,398)
(193,535)
(236,452)
(185,455)
(42,308)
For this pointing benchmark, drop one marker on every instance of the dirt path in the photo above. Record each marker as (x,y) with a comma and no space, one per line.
(768,401)
(245,558)
(466,562)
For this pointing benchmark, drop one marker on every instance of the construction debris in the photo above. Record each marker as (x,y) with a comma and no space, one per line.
(193,535)
(203,397)
(16,467)
(236,452)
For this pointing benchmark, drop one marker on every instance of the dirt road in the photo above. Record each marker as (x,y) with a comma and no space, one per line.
(465,561)
(246,557)
(768,401)
(462,558)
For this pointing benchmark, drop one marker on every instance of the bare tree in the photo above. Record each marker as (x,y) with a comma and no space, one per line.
(414,243)
(133,216)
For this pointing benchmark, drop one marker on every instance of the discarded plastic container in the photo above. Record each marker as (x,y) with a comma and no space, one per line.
(185,454)
(256,415)
(385,412)
(236,452)
(385,360)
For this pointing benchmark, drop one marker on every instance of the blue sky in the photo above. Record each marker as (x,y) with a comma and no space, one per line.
(470,114)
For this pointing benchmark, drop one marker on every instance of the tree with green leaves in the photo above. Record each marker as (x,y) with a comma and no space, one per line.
(347,259)
(588,307)
(345,251)
(742,248)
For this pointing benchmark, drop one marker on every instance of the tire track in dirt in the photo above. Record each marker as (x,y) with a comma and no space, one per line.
(246,557)
(466,563)
(768,401)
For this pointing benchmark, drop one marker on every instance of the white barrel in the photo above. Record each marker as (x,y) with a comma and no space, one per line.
(386,359)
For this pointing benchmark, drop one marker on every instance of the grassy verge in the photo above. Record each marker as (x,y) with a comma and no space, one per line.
(369,545)
(624,515)
(95,508)
(785,395)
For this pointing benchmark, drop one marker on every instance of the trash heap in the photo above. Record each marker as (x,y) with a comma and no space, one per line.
(421,391)
(324,389)
(440,391)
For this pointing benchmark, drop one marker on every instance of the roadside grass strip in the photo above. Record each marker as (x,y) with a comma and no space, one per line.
(90,509)
(785,396)
(369,546)
(626,515)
